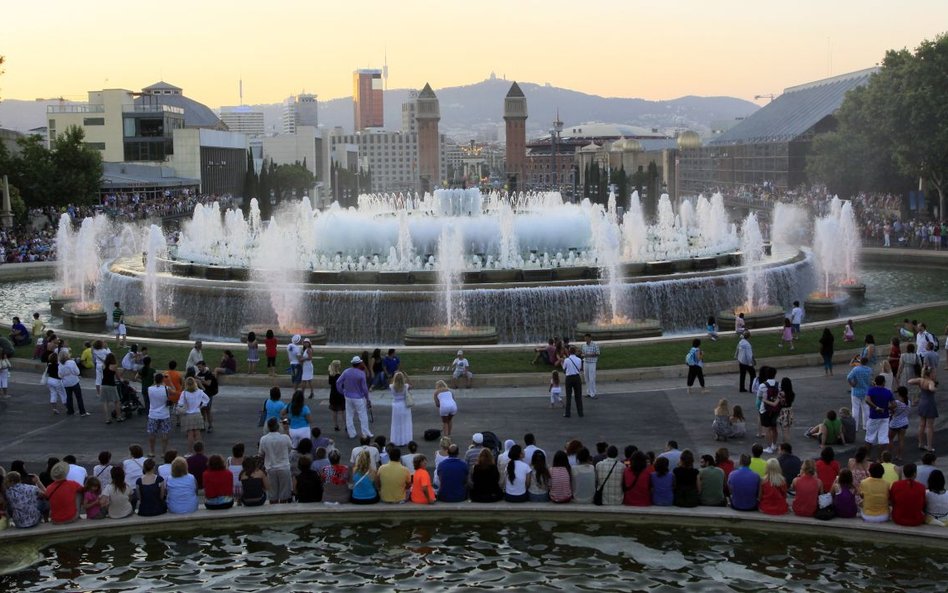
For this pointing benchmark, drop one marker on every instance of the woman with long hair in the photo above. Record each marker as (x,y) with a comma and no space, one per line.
(379,380)
(826,351)
(539,490)
(561,478)
(516,477)
(401,432)
(117,495)
(306,379)
(635,482)
(485,479)
(364,480)
(298,414)
(927,410)
(785,416)
(447,406)
(337,401)
(773,490)
(57,393)
(189,410)
(111,375)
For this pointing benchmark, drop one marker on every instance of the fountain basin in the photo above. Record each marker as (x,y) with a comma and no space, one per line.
(83,316)
(217,272)
(166,328)
(636,328)
(856,290)
(283,335)
(439,335)
(770,316)
(57,300)
(820,307)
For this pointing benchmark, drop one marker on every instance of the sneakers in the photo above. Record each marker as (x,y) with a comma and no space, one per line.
(770,450)
(85,414)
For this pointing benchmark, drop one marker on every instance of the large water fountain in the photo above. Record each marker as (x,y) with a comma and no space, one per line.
(757,309)
(836,246)
(156,321)
(79,259)
(527,265)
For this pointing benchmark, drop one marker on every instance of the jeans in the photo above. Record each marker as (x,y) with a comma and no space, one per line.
(74,391)
(828,362)
(747,369)
(380,380)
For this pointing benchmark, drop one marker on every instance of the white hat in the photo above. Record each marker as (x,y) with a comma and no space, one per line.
(508,444)
(478,438)
(296,339)
(356,360)
(460,352)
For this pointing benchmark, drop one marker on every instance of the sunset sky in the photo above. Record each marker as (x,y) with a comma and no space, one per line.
(628,48)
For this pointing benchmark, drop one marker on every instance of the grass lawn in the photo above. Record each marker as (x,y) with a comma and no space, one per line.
(664,353)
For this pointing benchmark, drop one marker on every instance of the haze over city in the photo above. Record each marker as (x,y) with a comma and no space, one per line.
(626,49)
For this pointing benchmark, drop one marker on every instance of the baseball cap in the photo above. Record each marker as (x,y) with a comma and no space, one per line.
(478,438)
(355,360)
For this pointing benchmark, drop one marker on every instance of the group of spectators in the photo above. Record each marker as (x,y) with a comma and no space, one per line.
(486,471)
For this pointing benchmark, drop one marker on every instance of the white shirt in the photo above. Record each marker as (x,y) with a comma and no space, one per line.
(921,341)
(194,357)
(275,448)
(77,474)
(572,365)
(158,402)
(128,361)
(460,365)
(519,484)
(796,316)
(528,452)
(373,455)
(293,353)
(164,470)
(99,356)
(133,470)
(103,473)
(192,401)
(69,373)
(591,352)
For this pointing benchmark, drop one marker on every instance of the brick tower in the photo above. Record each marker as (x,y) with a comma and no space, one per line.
(515,116)
(427,116)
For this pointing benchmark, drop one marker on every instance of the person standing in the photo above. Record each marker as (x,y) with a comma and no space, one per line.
(118,323)
(745,360)
(211,387)
(695,361)
(275,448)
(270,351)
(293,352)
(159,418)
(306,377)
(590,356)
(572,367)
(860,378)
(69,375)
(796,318)
(879,399)
(401,431)
(196,355)
(355,389)
(826,351)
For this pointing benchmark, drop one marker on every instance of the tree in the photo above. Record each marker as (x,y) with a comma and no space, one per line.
(78,169)
(897,123)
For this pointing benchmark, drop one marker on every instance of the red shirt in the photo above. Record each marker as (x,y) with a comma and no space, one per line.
(827,473)
(638,495)
(806,500)
(727,466)
(63,501)
(773,500)
(270,347)
(218,482)
(908,502)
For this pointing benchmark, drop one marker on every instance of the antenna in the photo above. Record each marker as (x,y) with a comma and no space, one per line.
(770,96)
(385,68)
(241,91)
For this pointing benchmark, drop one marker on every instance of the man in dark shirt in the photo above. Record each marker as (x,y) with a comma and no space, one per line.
(208,381)
(391,364)
(19,335)
(197,463)
(452,475)
(790,464)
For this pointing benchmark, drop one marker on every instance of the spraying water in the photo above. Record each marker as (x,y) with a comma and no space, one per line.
(155,248)
(450,248)
(752,246)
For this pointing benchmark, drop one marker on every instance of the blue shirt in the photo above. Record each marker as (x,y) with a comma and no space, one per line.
(273,409)
(300,421)
(182,494)
(452,475)
(663,493)
(860,378)
(881,397)
(352,383)
(364,489)
(744,485)
(391,364)
(19,327)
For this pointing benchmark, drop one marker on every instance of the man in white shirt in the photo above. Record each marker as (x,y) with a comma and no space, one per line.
(293,352)
(462,369)
(796,318)
(77,473)
(922,338)
(275,448)
(745,360)
(365,444)
(572,367)
(530,447)
(195,355)
(590,358)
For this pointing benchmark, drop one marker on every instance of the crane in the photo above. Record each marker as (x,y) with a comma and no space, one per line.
(770,96)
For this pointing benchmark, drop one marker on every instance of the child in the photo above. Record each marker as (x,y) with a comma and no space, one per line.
(421,490)
(738,424)
(253,353)
(721,427)
(786,333)
(739,325)
(898,424)
(4,375)
(91,494)
(556,392)
(712,329)
(270,351)
(118,322)
(849,332)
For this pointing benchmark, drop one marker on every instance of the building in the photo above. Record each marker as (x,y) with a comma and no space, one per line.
(299,110)
(408,113)
(243,119)
(306,146)
(772,143)
(391,158)
(515,119)
(196,115)
(367,99)
(427,116)
(216,157)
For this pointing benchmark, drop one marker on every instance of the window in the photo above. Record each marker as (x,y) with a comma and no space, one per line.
(93,121)
(96,145)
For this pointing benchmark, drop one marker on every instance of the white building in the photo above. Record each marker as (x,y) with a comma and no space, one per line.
(299,110)
(243,120)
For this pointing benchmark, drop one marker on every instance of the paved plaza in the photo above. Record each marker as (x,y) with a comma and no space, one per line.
(643,413)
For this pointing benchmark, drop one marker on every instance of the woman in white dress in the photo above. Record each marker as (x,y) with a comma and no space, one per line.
(307,378)
(401,431)
(447,407)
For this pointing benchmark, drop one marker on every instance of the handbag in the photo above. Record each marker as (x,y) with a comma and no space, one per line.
(597,496)
(409,399)
(44,377)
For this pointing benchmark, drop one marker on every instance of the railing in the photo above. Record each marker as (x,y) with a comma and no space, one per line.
(151,109)
(81,108)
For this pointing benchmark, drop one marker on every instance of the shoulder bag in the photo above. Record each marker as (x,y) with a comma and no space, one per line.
(409,398)
(597,496)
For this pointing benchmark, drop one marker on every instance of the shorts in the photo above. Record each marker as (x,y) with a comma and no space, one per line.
(296,373)
(877,431)
(271,362)
(110,394)
(785,418)
(120,329)
(795,327)
(158,426)
(465,374)
(768,419)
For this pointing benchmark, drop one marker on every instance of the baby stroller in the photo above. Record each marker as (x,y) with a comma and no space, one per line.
(131,404)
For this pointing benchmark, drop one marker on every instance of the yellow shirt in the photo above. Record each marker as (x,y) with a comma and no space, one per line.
(86,358)
(875,496)
(395,479)
(890,474)
(758,466)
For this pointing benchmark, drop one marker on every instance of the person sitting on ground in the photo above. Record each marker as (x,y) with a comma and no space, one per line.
(364,481)
(307,484)
(744,486)
(609,474)
(561,478)
(394,478)
(546,354)
(907,497)
(711,481)
(758,465)
(936,500)
(19,335)
(517,477)
(461,369)
(485,479)
(24,501)
(64,495)
(827,468)
(926,467)
(807,489)
(335,478)
(218,484)
(712,329)
(722,459)
(686,492)
(845,496)
(790,464)
(182,488)
(228,365)
(584,477)
(662,483)
(875,496)
(829,431)
(117,495)
(452,477)
(254,483)
(847,426)
(421,490)
(773,490)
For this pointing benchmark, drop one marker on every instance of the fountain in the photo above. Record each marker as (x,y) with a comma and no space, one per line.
(528,264)
(81,258)
(835,246)
(757,310)
(155,322)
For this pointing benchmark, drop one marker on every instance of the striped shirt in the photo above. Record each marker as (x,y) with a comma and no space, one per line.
(591,352)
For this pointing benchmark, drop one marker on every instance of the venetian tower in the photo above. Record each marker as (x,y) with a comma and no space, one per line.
(427,116)
(515,116)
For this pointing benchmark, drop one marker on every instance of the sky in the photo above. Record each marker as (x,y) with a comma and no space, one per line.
(620,48)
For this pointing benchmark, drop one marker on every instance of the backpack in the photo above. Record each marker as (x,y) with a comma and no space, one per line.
(773,393)
(934,341)
(691,359)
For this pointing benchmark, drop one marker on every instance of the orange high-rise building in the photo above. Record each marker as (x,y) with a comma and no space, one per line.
(515,116)
(367,99)
(427,116)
